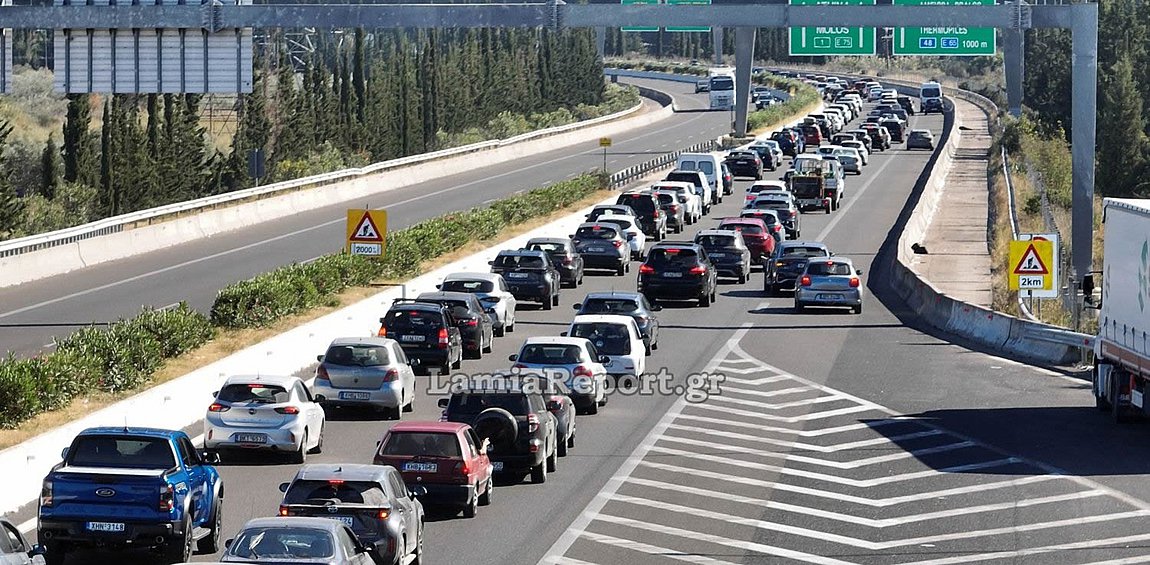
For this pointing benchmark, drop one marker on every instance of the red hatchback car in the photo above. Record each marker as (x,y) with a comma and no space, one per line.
(758,236)
(446,458)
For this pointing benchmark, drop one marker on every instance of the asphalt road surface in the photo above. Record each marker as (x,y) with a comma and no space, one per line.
(833,438)
(33,314)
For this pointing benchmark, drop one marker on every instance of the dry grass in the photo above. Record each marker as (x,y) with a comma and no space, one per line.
(228,342)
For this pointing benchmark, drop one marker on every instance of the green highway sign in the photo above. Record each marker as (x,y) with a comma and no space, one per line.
(694,29)
(944,41)
(639,29)
(832,40)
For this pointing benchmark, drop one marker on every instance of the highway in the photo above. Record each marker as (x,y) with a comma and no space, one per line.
(32,314)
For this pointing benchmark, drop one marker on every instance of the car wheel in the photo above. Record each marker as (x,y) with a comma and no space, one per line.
(510,329)
(769,290)
(211,543)
(300,455)
(472,506)
(553,461)
(742,278)
(57,553)
(547,303)
(626,267)
(655,345)
(180,550)
(487,348)
(799,307)
(620,270)
(418,548)
(317,449)
(562,448)
(458,362)
(705,300)
(571,441)
(446,368)
(499,331)
(539,473)
(594,408)
(857,309)
(555,300)
(410,406)
(485,498)
(714,294)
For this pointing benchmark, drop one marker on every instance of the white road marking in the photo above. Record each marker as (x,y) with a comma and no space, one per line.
(823,462)
(780,406)
(660,552)
(1124,541)
(27,526)
(802,433)
(808,446)
(852,197)
(787,419)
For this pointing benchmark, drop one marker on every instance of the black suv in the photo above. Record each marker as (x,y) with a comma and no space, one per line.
(425,332)
(678,271)
(747,163)
(563,253)
(467,314)
(788,262)
(906,104)
(625,304)
(896,129)
(516,419)
(647,210)
(530,275)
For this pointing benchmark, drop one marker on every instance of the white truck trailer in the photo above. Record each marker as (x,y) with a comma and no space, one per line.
(1121,376)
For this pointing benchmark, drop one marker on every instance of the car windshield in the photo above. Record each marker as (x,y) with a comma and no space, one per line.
(253,392)
(716,241)
(551,354)
(596,232)
(519,262)
(547,247)
(931,93)
(828,268)
(283,543)
(121,451)
(478,286)
(610,339)
(320,491)
(673,256)
(745,228)
(801,251)
(609,306)
(357,355)
(439,444)
(474,403)
(412,319)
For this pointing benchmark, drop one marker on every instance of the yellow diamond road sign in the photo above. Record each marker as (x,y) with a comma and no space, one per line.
(1031,265)
(366,232)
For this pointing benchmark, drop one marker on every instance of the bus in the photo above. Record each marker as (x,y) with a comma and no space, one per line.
(722,88)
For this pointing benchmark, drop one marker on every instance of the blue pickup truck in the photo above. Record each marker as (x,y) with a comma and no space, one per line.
(132,488)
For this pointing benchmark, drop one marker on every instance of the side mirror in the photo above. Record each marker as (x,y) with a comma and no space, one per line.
(577,306)
(320,398)
(64,453)
(317,358)
(365,548)
(443,402)
(228,543)
(604,359)
(210,457)
(381,320)
(572,236)
(562,334)
(513,357)
(37,550)
(284,487)
(439,286)
(378,443)
(491,262)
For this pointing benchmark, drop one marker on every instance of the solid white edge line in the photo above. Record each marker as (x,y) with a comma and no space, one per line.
(27,526)
(555,554)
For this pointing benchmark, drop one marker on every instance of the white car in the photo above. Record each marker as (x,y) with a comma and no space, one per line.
(828,150)
(776,150)
(618,337)
(861,148)
(874,94)
(491,290)
(629,225)
(693,200)
(763,186)
(367,372)
(574,359)
(264,413)
(850,151)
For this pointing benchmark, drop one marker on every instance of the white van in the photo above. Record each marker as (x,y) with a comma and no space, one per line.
(930,97)
(708,164)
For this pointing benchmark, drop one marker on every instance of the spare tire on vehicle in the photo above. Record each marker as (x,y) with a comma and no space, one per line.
(499,426)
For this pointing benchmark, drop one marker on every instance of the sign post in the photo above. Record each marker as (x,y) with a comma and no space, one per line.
(604,142)
(1031,262)
(366,232)
(816,41)
(944,41)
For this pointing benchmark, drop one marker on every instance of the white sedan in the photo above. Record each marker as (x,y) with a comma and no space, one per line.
(265,413)
(634,234)
(491,290)
(861,148)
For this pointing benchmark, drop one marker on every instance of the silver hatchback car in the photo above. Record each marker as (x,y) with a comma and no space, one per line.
(265,413)
(832,281)
(370,372)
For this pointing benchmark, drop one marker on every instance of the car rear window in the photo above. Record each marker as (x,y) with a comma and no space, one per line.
(467,286)
(547,247)
(413,318)
(476,402)
(828,268)
(312,491)
(283,543)
(610,339)
(639,202)
(253,392)
(551,354)
(623,223)
(745,228)
(596,232)
(672,256)
(684,177)
(769,219)
(440,444)
(122,451)
(357,355)
(518,262)
(609,306)
(665,199)
(716,241)
(799,251)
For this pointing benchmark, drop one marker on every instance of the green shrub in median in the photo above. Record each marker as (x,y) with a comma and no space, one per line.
(262,300)
(121,357)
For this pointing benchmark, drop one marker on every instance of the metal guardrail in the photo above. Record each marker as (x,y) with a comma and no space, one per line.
(1060,336)
(664,161)
(150,216)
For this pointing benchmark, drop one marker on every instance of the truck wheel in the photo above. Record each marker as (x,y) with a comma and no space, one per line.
(211,544)
(1116,405)
(179,550)
(1101,401)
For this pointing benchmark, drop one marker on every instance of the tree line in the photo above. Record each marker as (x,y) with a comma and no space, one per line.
(382,95)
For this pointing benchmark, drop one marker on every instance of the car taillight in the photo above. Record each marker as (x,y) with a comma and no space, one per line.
(462,468)
(46,494)
(581,371)
(284,511)
(532,422)
(290,410)
(167,498)
(443,338)
(618,243)
(805,281)
(646,270)
(382,331)
(217,407)
(854,282)
(471,323)
(698,270)
(391,376)
(321,374)
(384,513)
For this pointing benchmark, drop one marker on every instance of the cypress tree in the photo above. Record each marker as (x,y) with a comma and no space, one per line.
(1122,142)
(359,72)
(78,151)
(49,169)
(11,205)
(108,199)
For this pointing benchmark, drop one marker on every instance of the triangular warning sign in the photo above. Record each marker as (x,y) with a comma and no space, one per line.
(366,231)
(1031,263)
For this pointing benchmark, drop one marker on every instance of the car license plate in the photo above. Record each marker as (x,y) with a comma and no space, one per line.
(251,438)
(718,255)
(413,337)
(516,275)
(355,396)
(829,297)
(345,519)
(421,467)
(596,249)
(105,526)
(673,275)
(497,465)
